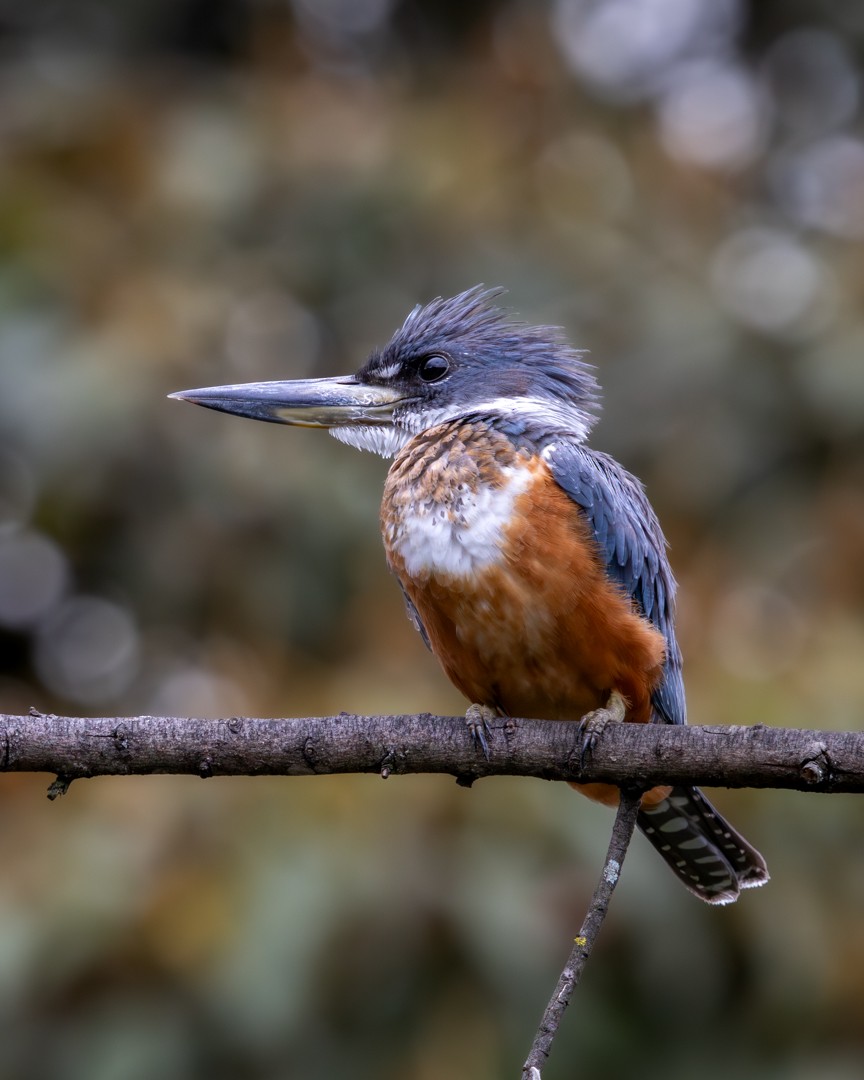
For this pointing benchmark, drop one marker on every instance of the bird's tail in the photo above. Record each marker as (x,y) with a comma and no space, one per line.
(703,849)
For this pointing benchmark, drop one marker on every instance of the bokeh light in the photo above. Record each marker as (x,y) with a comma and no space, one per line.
(87,651)
(813,81)
(624,49)
(821,184)
(33,573)
(772,283)
(712,114)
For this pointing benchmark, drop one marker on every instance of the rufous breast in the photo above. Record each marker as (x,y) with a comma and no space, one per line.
(506,576)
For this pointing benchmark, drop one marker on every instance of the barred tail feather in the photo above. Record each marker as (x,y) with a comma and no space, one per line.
(701,847)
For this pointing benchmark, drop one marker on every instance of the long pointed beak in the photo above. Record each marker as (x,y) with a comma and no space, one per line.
(305,402)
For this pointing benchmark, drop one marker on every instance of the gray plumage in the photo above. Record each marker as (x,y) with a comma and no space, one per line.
(493,357)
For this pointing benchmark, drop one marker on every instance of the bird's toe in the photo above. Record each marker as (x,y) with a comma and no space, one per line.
(478,719)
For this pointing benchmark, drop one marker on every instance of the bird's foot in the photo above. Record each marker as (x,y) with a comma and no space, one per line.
(593,724)
(478,718)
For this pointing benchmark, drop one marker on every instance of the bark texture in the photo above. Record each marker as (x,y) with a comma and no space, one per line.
(626,754)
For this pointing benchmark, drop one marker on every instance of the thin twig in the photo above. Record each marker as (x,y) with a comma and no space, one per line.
(622,833)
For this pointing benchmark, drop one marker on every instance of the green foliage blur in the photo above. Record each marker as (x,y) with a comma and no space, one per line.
(195,193)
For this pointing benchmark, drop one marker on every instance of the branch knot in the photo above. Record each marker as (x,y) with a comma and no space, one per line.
(816,769)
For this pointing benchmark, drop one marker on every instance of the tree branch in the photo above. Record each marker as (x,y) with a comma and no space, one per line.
(625,754)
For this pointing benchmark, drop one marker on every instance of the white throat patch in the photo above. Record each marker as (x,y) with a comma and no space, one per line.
(452,531)
(383,439)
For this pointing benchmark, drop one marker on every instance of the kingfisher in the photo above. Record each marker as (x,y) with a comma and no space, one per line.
(533,566)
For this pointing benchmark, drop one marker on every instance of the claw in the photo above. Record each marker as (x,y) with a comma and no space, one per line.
(477,717)
(593,724)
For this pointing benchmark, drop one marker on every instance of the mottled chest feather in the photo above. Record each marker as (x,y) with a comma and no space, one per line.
(502,571)
(449,499)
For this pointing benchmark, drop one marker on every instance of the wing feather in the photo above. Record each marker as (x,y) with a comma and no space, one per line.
(633,547)
(414,616)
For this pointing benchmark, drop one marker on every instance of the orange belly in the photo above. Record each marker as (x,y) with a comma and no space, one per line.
(543,632)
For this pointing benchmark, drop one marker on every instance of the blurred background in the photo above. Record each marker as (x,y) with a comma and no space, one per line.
(195,193)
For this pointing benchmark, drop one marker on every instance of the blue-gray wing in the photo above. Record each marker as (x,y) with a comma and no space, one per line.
(633,548)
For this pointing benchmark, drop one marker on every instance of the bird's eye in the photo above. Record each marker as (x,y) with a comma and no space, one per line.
(432,368)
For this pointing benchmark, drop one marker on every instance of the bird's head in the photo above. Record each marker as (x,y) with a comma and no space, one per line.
(449,360)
